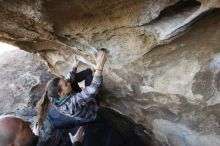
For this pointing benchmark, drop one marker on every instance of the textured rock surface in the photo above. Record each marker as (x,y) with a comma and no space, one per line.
(23,78)
(164,56)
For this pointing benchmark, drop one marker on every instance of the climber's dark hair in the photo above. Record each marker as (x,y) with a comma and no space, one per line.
(51,91)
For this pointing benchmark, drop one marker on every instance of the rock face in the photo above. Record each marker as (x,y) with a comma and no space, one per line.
(164,56)
(23,78)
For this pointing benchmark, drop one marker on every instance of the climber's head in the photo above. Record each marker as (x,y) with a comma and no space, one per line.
(56,88)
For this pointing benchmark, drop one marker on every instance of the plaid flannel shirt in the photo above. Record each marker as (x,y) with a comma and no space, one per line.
(81,106)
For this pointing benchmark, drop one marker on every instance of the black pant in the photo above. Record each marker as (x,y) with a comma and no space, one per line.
(83,75)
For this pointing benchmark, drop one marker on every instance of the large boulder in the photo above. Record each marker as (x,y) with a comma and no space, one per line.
(163,66)
(23,79)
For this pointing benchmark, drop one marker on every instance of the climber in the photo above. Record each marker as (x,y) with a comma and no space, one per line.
(58,121)
(15,131)
(79,106)
(81,109)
